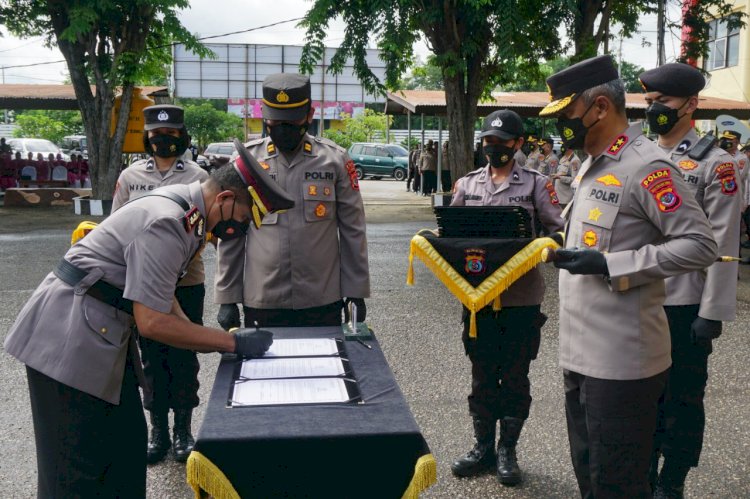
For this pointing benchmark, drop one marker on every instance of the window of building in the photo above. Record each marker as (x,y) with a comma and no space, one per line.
(723,45)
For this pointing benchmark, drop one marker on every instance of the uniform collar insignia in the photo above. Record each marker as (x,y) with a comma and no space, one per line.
(616,146)
(150,165)
(308,147)
(516,176)
(270,148)
(684,146)
(180,166)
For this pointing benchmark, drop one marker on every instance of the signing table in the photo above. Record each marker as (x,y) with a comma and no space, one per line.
(370,447)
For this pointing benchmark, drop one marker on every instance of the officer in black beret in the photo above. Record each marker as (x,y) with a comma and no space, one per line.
(632,222)
(297,268)
(697,302)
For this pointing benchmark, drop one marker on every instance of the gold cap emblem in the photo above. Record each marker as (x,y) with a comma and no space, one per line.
(282,97)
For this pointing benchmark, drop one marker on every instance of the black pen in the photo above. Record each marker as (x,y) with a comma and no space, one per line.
(363,344)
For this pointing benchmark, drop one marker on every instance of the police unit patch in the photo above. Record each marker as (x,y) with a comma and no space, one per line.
(687,164)
(617,144)
(726,174)
(320,210)
(475,261)
(352,171)
(608,180)
(552,194)
(590,238)
(659,184)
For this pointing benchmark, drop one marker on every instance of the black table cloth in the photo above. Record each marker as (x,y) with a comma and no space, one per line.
(368,449)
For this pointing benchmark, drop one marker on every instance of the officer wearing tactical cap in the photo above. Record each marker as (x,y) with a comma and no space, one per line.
(697,302)
(172,373)
(76,335)
(506,341)
(548,160)
(632,223)
(729,140)
(296,269)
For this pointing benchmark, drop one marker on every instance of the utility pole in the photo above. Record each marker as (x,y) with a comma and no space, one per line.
(660,52)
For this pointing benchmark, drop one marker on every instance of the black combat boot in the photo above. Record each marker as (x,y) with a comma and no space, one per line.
(482,456)
(183,438)
(508,472)
(671,482)
(159,443)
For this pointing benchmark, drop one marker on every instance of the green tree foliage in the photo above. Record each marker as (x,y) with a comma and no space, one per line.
(206,124)
(108,45)
(39,126)
(477,45)
(424,76)
(361,128)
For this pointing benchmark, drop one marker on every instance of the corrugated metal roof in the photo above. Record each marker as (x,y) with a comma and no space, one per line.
(31,96)
(432,102)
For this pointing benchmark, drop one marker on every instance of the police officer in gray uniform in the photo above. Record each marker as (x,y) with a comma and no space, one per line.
(547,159)
(172,373)
(76,338)
(697,302)
(632,223)
(296,269)
(507,341)
(567,171)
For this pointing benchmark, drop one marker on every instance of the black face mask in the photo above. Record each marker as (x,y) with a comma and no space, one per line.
(725,144)
(167,146)
(500,155)
(572,130)
(287,136)
(226,230)
(661,118)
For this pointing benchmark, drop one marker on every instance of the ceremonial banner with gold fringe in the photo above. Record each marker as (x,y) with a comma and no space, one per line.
(477,271)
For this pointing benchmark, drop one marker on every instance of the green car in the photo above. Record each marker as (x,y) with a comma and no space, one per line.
(379,160)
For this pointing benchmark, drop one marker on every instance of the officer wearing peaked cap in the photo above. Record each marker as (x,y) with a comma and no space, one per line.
(299,266)
(506,341)
(697,302)
(631,224)
(76,335)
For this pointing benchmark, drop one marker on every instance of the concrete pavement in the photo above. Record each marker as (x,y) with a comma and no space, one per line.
(419,330)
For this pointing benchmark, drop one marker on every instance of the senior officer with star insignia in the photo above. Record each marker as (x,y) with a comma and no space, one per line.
(76,335)
(506,341)
(297,268)
(171,372)
(632,223)
(697,302)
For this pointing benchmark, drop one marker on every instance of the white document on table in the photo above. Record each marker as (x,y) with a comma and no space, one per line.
(302,347)
(289,391)
(298,367)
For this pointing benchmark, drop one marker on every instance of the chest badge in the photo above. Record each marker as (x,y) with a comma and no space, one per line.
(327,191)
(594,214)
(687,164)
(312,190)
(609,180)
(590,238)
(264,165)
(320,210)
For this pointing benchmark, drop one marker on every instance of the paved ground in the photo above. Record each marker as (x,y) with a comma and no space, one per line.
(419,330)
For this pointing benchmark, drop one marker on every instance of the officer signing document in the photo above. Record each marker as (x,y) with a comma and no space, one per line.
(76,338)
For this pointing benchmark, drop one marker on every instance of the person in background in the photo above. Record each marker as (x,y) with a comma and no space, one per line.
(428,169)
(563,177)
(508,340)
(412,172)
(171,372)
(7,171)
(746,213)
(4,148)
(479,159)
(43,169)
(547,160)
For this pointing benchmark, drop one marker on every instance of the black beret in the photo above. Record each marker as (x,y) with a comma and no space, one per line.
(163,116)
(502,123)
(286,97)
(674,79)
(570,82)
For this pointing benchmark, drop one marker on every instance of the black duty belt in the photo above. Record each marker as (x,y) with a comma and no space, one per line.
(102,291)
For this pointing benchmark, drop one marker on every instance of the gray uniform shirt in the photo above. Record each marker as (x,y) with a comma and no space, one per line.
(427,161)
(633,205)
(523,187)
(741,159)
(520,158)
(548,164)
(141,249)
(142,177)
(714,182)
(568,169)
(311,255)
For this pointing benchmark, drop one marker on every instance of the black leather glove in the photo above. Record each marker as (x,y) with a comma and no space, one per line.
(229,316)
(704,330)
(252,343)
(581,261)
(361,309)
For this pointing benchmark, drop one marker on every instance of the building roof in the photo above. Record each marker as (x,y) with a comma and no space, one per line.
(31,96)
(432,103)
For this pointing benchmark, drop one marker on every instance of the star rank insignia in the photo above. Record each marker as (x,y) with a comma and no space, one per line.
(617,144)
(594,214)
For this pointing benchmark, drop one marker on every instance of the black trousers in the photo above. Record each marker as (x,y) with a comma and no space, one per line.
(172,373)
(506,343)
(746,219)
(86,447)
(325,315)
(417,184)
(682,418)
(611,427)
(429,182)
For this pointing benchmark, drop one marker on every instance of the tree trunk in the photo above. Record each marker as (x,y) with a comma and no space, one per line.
(461,109)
